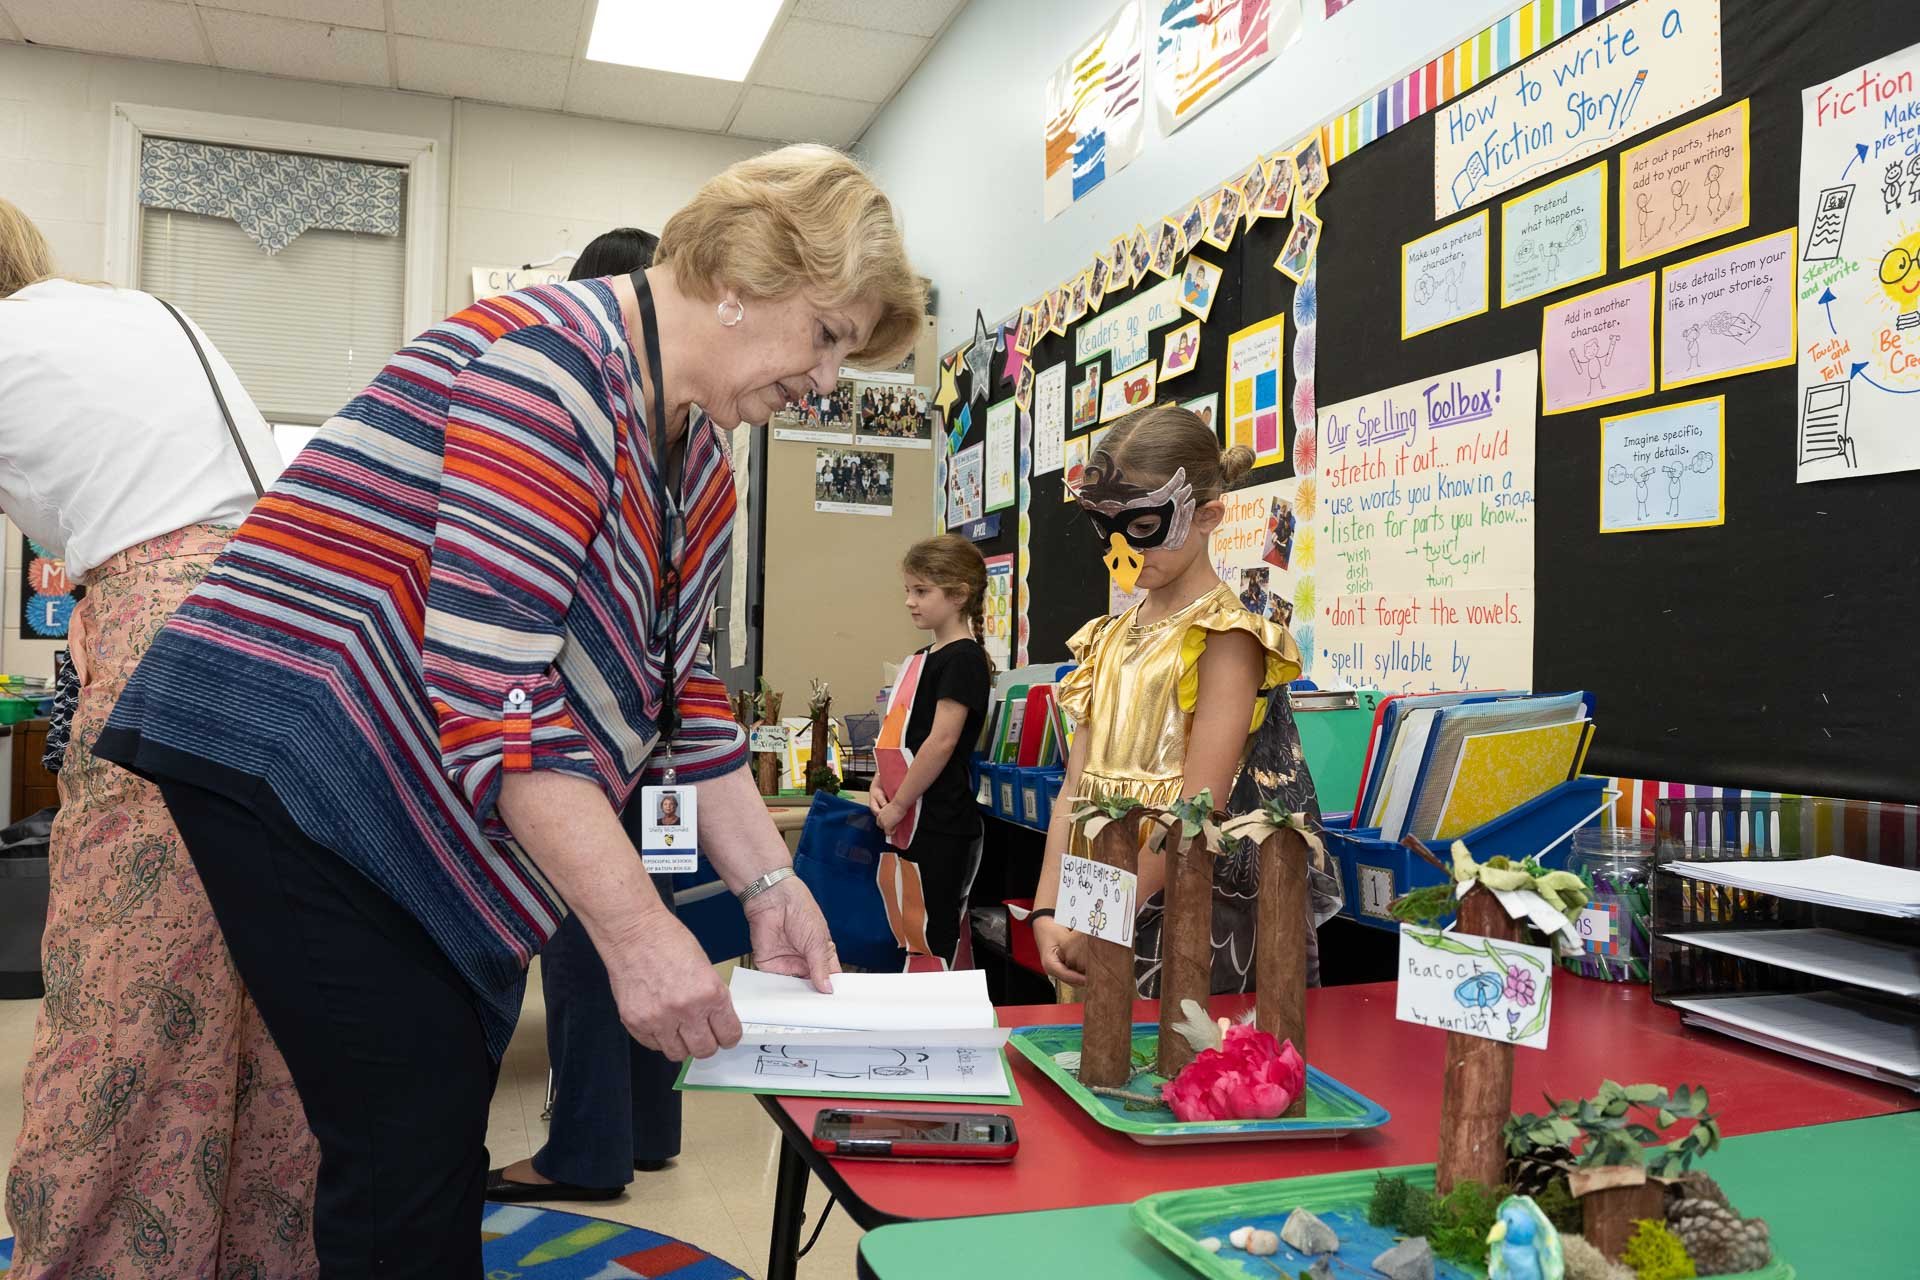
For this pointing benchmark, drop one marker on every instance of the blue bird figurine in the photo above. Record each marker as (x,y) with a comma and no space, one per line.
(1523,1245)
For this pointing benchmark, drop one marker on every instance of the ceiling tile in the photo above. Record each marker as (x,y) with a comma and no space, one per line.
(490,75)
(914,17)
(131,28)
(7,30)
(784,116)
(536,26)
(651,97)
(303,50)
(370,14)
(820,57)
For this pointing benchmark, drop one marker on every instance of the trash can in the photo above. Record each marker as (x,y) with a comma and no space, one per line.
(23,905)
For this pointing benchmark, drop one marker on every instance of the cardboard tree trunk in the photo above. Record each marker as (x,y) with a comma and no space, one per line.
(1280,945)
(1186,943)
(1613,1199)
(1106,1041)
(766,772)
(817,755)
(1478,1094)
(767,765)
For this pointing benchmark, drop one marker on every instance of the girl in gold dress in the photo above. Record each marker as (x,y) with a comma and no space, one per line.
(1168,693)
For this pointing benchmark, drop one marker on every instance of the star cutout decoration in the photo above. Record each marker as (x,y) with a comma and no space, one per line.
(1015,360)
(979,359)
(949,391)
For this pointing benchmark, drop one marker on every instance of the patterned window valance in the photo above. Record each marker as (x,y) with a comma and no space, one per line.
(273,195)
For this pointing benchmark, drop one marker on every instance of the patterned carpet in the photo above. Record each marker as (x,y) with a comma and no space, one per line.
(545,1244)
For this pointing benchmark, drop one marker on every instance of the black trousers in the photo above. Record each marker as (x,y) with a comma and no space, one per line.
(613,1098)
(377,1028)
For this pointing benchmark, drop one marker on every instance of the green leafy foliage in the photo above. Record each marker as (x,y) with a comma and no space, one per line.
(1195,813)
(1612,1136)
(1655,1253)
(824,779)
(1388,1208)
(1418,1220)
(1466,1212)
(1427,905)
(1462,1220)
(1560,1206)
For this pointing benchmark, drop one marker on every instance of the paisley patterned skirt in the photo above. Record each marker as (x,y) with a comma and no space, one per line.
(162,1136)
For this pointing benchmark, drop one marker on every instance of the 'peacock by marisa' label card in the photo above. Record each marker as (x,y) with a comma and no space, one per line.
(1477,986)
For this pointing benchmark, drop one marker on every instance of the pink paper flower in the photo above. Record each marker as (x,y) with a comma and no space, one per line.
(1519,985)
(1250,1076)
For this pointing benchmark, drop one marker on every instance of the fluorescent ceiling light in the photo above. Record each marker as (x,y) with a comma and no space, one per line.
(718,39)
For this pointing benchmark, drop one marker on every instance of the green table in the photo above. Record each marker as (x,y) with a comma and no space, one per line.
(1839,1198)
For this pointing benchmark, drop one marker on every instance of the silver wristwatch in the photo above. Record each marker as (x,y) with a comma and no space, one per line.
(763,884)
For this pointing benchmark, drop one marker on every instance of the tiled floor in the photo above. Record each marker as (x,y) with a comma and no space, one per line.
(717,1195)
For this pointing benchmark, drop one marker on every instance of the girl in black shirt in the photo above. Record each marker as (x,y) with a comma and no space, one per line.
(946,587)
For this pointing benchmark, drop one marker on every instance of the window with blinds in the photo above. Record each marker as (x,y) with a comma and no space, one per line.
(305,329)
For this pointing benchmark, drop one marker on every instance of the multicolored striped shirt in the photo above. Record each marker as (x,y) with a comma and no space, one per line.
(456,580)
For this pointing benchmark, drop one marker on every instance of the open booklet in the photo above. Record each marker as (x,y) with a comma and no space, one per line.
(878,1035)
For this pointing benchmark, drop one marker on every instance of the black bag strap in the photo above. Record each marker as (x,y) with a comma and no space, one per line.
(246,460)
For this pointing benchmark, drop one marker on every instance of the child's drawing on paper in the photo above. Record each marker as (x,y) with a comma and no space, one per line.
(796,1062)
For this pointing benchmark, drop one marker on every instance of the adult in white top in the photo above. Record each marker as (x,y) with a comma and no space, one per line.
(109,433)
(114,454)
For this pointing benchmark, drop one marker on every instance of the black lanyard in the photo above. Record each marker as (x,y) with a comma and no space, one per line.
(666,492)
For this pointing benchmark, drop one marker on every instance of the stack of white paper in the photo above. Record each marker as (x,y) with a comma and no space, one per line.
(877,1035)
(1828,1027)
(1826,953)
(1830,881)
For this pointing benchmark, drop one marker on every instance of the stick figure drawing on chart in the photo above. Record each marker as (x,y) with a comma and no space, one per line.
(1716,199)
(1913,180)
(1682,211)
(1673,492)
(1645,201)
(1890,187)
(1617,474)
(1442,282)
(1692,334)
(1594,362)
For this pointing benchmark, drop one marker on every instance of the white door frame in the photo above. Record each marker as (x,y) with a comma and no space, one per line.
(132,122)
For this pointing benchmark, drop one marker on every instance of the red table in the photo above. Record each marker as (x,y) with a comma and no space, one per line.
(1600,1030)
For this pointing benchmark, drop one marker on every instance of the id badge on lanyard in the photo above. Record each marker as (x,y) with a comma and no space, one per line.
(669,823)
(669,828)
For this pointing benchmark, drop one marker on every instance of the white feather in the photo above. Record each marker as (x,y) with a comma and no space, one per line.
(1199,1030)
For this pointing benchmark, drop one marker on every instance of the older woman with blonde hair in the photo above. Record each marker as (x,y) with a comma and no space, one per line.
(398,721)
(161,1135)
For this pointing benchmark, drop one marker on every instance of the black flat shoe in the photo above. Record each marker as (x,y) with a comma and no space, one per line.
(650,1166)
(505,1190)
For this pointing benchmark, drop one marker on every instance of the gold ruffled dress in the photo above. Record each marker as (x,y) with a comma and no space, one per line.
(1133,694)
(1132,699)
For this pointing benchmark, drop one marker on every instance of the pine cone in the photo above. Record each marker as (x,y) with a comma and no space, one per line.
(1529,1174)
(1720,1241)
(1695,1185)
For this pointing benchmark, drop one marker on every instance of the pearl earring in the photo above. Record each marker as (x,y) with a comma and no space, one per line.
(731,312)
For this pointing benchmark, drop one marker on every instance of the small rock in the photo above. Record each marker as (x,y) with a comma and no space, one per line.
(1322,1269)
(1210,1243)
(1408,1260)
(1263,1244)
(1308,1234)
(1239,1236)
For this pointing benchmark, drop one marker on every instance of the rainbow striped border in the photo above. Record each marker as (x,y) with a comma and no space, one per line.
(1514,38)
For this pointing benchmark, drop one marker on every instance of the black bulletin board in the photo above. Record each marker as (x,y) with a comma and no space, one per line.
(1772,652)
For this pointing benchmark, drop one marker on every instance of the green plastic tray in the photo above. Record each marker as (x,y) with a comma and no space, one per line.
(1333,1109)
(1179,1220)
